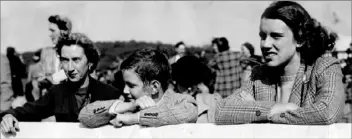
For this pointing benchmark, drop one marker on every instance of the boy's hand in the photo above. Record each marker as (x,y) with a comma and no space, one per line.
(125,119)
(145,102)
(122,107)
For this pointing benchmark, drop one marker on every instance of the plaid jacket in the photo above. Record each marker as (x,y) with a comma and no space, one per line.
(173,108)
(228,72)
(320,97)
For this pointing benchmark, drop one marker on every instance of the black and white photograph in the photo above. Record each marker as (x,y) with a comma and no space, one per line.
(176,69)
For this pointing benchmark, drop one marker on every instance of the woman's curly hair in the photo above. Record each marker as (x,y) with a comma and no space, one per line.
(314,39)
(91,52)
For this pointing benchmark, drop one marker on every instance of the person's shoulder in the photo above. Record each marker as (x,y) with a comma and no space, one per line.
(324,62)
(103,86)
(59,89)
(177,97)
(229,52)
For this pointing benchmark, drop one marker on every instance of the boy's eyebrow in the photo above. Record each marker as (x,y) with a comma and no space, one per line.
(127,82)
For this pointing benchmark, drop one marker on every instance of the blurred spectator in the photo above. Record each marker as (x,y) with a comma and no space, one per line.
(34,72)
(34,68)
(180,51)
(51,66)
(192,77)
(249,60)
(59,27)
(18,71)
(227,66)
(49,74)
(6,93)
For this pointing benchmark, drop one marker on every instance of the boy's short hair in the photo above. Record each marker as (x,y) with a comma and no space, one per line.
(149,64)
(189,71)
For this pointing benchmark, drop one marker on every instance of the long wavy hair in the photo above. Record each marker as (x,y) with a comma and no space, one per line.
(314,39)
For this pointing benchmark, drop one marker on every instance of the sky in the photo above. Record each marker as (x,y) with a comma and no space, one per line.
(24,24)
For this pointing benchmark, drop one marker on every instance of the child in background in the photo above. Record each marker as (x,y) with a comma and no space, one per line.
(192,77)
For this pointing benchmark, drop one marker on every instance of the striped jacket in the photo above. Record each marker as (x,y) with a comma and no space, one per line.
(320,97)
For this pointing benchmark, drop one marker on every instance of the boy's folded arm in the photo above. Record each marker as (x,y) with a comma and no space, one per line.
(97,113)
(183,111)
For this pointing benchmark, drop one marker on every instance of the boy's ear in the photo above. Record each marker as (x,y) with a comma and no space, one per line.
(90,66)
(155,85)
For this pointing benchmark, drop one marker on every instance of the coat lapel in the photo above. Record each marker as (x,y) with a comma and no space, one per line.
(302,78)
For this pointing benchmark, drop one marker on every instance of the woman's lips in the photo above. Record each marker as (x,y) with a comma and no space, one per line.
(269,54)
(72,74)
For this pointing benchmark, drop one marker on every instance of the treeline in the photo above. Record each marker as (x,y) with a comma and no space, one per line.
(113,51)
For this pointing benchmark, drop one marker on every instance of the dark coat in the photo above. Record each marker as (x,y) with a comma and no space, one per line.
(60,101)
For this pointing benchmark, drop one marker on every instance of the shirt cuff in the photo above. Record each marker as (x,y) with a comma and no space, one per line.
(113,107)
(138,115)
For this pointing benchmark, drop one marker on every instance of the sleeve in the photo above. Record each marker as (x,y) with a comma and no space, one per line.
(97,113)
(34,111)
(183,110)
(327,106)
(232,110)
(6,93)
(213,62)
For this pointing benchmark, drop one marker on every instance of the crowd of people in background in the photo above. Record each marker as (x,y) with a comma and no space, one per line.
(293,82)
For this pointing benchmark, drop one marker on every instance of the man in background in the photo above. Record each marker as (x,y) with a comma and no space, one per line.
(18,71)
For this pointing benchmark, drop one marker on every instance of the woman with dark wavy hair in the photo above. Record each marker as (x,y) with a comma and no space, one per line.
(298,83)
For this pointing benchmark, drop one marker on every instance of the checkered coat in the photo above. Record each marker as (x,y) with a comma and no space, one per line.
(320,97)
(228,72)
